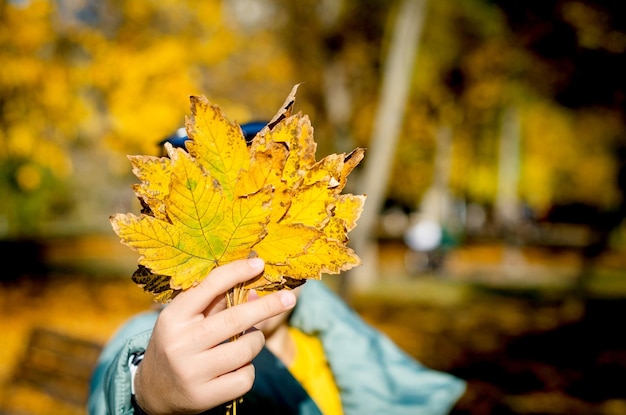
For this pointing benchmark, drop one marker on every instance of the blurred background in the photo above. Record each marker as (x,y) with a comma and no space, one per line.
(492,240)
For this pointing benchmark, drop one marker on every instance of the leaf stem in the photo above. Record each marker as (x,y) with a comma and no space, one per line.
(237,295)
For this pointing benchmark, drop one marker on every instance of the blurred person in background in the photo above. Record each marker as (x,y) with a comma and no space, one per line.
(314,357)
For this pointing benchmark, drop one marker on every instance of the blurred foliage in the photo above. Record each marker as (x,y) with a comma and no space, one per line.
(88,308)
(85,82)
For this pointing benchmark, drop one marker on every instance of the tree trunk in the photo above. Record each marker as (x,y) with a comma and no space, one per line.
(507,199)
(396,82)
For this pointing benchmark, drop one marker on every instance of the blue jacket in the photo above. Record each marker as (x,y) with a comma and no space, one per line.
(374,376)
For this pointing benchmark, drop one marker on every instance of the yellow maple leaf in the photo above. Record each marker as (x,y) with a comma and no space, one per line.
(221,200)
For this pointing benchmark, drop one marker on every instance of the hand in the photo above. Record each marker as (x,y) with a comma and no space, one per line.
(189,366)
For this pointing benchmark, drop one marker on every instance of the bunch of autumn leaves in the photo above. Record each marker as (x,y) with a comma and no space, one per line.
(221,200)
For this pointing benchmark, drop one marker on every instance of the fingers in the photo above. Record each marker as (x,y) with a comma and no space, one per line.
(195,300)
(226,388)
(221,326)
(229,356)
(212,328)
(231,372)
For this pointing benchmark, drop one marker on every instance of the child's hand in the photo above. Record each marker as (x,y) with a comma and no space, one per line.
(189,366)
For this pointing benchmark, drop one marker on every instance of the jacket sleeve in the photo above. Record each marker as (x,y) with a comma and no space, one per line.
(110,387)
(373,374)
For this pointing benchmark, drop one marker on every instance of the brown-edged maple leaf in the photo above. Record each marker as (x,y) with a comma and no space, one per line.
(221,200)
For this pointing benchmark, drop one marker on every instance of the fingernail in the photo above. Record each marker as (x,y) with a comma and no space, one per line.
(256,263)
(288,299)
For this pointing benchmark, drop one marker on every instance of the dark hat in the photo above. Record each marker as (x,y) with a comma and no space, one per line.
(178,138)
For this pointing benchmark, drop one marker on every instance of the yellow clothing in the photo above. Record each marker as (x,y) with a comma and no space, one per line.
(310,368)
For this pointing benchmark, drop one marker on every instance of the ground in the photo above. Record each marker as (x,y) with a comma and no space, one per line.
(506,321)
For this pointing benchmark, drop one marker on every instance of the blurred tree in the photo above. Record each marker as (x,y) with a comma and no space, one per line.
(578,51)
(336,49)
(40,113)
(83,82)
(580,43)
(395,89)
(481,57)
(84,78)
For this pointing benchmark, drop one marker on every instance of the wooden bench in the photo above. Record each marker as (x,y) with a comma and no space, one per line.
(58,365)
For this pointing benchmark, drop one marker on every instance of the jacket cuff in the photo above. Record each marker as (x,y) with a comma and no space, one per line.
(118,389)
